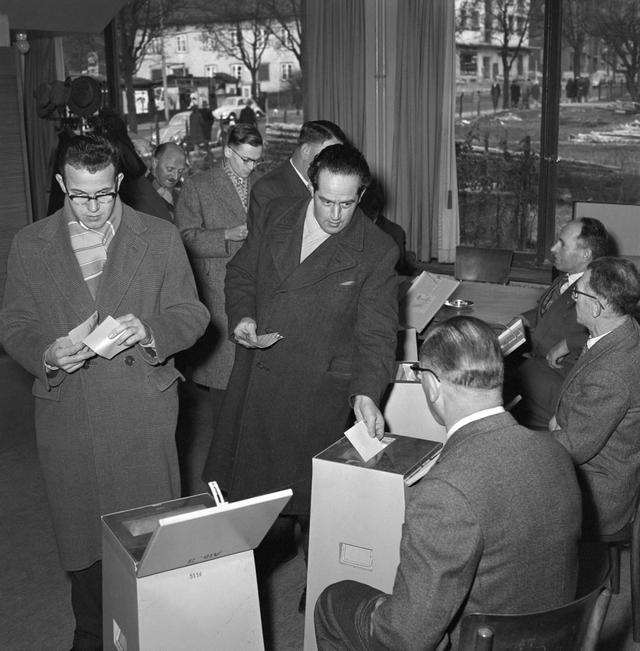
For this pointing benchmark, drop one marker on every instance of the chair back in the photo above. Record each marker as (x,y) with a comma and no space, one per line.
(483,265)
(573,627)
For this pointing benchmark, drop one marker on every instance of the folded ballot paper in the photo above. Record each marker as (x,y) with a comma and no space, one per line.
(96,336)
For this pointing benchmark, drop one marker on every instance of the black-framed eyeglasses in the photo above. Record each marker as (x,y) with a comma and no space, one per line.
(575,292)
(102,198)
(416,368)
(246,159)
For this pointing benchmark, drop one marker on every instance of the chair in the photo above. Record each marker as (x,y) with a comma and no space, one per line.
(483,265)
(628,535)
(573,627)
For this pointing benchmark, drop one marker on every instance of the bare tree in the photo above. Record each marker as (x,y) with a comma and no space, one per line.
(506,25)
(240,29)
(286,25)
(139,22)
(617,23)
(577,21)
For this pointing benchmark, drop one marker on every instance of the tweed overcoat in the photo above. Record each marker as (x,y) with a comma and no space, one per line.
(493,527)
(338,314)
(105,433)
(599,415)
(209,204)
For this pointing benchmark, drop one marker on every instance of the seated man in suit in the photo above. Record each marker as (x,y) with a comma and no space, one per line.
(556,337)
(291,178)
(598,414)
(492,527)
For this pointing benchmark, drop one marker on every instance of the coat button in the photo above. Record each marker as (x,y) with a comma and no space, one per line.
(129,360)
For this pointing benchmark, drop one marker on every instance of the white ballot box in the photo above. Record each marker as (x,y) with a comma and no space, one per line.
(180,575)
(405,408)
(357,512)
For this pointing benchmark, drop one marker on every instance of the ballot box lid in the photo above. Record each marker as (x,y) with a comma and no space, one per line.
(173,534)
(404,456)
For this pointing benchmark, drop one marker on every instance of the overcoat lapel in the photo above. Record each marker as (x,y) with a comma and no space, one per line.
(124,257)
(332,256)
(63,267)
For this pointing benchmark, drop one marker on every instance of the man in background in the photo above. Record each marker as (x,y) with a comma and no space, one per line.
(556,336)
(492,527)
(105,428)
(168,165)
(291,178)
(598,414)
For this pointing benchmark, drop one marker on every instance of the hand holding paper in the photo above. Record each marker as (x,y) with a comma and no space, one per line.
(366,446)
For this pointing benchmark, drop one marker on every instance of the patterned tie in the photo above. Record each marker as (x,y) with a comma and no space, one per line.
(552,293)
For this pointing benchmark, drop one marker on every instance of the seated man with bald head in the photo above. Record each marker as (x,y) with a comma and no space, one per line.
(168,165)
(492,527)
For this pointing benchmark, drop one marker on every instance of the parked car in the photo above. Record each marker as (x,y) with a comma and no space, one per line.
(177,127)
(231,107)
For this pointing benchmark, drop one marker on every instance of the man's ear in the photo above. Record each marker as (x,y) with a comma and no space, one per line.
(119,178)
(431,387)
(60,181)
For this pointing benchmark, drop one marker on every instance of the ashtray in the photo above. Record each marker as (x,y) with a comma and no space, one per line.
(458,303)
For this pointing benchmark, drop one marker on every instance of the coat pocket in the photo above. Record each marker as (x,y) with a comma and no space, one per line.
(162,377)
(340,366)
(38,390)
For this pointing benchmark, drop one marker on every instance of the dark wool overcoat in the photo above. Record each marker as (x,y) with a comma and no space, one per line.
(105,433)
(338,314)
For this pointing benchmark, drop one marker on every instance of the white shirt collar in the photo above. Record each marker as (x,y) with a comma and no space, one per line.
(571,278)
(305,181)
(591,341)
(483,413)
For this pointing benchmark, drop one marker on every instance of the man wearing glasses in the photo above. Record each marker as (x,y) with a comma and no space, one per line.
(212,217)
(105,427)
(499,510)
(598,413)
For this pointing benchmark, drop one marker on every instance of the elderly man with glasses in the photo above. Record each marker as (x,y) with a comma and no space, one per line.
(492,527)
(105,428)
(598,414)
(212,216)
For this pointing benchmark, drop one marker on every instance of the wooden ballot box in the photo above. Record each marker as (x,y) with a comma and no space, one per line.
(180,575)
(357,512)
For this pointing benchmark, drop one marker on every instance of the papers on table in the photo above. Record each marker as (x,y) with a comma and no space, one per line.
(425,297)
(365,446)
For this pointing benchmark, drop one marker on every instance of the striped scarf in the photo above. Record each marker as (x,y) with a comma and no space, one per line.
(90,245)
(241,185)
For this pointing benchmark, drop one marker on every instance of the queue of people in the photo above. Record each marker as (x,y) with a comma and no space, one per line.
(499,523)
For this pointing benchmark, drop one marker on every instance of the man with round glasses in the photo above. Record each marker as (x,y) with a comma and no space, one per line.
(598,414)
(105,427)
(211,214)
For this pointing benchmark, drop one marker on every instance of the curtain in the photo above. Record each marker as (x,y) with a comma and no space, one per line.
(334,56)
(39,66)
(424,182)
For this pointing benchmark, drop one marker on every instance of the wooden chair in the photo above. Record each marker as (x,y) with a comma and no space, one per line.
(629,535)
(483,265)
(573,627)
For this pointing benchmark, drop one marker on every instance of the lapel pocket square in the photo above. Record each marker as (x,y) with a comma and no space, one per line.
(347,283)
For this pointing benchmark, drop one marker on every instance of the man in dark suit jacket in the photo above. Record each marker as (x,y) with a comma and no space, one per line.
(322,275)
(598,415)
(556,337)
(291,178)
(492,527)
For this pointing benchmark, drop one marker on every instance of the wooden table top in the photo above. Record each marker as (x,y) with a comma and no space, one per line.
(495,304)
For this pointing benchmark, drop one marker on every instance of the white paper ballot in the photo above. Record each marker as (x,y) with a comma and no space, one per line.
(99,341)
(365,446)
(81,331)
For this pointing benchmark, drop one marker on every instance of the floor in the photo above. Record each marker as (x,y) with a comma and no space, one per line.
(34,592)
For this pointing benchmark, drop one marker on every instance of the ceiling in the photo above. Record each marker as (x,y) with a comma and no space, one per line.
(60,15)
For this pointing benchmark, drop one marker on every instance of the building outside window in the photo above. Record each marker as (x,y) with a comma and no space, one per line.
(210,70)
(286,71)
(181,43)
(236,70)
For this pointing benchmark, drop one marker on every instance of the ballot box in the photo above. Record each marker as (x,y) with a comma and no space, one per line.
(180,575)
(405,408)
(357,512)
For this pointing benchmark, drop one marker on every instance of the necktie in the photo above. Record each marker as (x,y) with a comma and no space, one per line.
(552,293)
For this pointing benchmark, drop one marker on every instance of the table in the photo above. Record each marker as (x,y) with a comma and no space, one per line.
(495,304)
